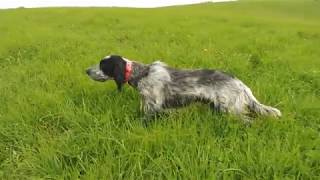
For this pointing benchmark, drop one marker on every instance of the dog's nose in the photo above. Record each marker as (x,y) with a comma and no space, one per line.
(88,71)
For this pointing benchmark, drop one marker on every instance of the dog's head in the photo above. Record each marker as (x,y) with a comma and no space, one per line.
(110,68)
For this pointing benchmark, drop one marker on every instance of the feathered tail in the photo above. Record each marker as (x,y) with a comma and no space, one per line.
(261,109)
(264,110)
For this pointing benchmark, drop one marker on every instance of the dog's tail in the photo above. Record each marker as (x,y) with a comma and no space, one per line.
(264,110)
(261,109)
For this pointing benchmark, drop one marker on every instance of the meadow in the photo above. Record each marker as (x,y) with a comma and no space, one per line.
(56,123)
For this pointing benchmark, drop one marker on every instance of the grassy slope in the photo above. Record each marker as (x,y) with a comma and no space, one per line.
(55,122)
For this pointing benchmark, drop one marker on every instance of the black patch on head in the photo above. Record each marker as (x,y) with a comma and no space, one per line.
(114,66)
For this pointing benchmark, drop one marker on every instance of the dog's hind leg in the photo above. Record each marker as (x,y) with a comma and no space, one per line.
(220,104)
(218,108)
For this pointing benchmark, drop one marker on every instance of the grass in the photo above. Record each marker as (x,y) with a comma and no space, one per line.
(55,123)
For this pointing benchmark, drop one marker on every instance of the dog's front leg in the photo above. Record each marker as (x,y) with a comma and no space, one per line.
(151,107)
(152,99)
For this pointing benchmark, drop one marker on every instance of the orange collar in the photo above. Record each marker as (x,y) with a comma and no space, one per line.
(128,71)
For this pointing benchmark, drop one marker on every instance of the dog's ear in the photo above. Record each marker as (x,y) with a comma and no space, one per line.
(119,72)
(114,66)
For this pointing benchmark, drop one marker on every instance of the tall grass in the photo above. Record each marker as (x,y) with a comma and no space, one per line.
(56,123)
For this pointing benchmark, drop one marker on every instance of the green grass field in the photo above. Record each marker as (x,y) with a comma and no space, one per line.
(56,123)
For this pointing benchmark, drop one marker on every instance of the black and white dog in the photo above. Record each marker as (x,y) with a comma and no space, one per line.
(163,87)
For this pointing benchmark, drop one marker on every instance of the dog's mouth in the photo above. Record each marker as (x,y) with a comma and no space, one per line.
(100,79)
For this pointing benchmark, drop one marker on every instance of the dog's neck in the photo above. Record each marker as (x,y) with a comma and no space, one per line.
(138,71)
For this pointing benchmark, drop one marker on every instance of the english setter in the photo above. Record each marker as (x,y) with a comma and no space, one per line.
(164,87)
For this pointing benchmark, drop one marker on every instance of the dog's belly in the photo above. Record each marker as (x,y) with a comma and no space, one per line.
(177,101)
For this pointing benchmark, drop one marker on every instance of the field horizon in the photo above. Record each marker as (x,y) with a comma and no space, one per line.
(56,123)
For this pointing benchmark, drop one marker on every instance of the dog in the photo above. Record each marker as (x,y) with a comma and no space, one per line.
(163,87)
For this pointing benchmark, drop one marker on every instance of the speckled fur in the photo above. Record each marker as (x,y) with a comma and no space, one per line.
(163,87)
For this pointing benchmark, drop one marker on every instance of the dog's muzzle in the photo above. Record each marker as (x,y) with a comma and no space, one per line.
(96,74)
